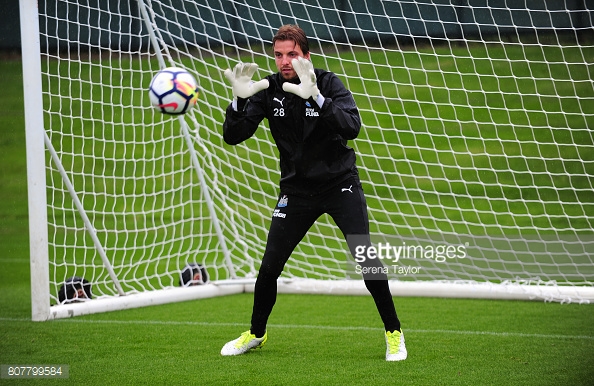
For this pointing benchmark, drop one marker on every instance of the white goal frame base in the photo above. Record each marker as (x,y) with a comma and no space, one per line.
(144,299)
(446,289)
(439,289)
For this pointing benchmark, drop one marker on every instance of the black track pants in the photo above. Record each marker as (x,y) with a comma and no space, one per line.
(291,219)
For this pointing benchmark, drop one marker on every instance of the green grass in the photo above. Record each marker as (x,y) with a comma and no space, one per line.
(319,340)
(338,339)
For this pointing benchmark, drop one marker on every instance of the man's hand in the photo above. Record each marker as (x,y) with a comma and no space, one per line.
(241,80)
(308,87)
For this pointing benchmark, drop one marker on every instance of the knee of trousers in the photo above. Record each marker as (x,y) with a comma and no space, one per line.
(271,268)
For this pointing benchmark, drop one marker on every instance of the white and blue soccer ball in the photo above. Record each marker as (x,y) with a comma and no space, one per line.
(173,91)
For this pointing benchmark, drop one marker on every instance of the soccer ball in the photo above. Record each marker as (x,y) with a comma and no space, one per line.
(173,91)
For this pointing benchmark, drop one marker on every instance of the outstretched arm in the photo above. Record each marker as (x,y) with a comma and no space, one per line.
(339,110)
(241,124)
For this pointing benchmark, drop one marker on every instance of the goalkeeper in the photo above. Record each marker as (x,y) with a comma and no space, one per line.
(311,116)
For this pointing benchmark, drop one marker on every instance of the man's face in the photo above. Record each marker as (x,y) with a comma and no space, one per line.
(284,52)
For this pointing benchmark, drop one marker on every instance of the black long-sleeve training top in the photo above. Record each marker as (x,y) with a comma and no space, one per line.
(312,141)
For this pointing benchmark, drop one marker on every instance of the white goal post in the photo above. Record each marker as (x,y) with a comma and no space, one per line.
(476,150)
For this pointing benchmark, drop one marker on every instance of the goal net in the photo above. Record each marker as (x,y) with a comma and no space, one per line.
(476,150)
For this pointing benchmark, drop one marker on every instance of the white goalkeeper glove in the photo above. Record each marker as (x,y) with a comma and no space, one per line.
(241,80)
(308,87)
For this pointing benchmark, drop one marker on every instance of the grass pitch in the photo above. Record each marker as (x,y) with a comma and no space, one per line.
(312,339)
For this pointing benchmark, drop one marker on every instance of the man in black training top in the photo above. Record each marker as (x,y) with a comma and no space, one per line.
(312,116)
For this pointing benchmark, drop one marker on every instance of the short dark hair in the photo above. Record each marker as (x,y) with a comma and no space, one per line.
(292,32)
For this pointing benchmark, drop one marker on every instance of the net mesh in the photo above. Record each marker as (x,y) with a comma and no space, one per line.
(476,134)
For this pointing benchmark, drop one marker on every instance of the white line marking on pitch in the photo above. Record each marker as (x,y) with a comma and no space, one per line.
(307,326)
(8,260)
